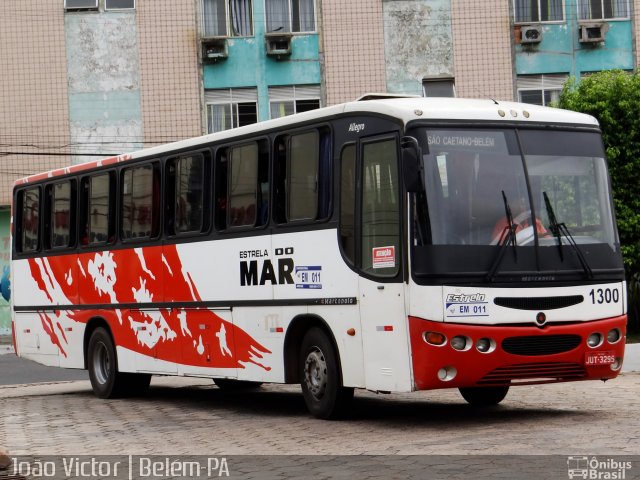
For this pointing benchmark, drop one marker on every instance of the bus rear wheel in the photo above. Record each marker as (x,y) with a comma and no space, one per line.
(484,396)
(323,393)
(106,380)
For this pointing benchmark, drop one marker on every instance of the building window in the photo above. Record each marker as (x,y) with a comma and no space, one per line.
(81,4)
(602,9)
(227,18)
(290,16)
(285,101)
(540,89)
(538,11)
(440,86)
(230,108)
(119,4)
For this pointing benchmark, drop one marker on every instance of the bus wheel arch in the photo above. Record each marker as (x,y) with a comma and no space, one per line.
(312,358)
(101,360)
(298,328)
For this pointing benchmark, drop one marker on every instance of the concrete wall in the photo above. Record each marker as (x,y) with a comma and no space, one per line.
(353,49)
(104,82)
(483,60)
(170,87)
(418,43)
(34,117)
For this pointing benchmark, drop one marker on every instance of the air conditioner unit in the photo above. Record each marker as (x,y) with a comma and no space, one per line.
(278,44)
(214,49)
(80,5)
(592,32)
(531,34)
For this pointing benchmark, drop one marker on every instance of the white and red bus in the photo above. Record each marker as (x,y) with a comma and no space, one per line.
(392,245)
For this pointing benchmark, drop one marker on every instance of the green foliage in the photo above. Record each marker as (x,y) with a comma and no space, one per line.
(613,97)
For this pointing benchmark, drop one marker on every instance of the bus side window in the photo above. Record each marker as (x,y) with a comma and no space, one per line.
(347,202)
(60,214)
(97,225)
(242,186)
(185,194)
(303,176)
(140,211)
(29,221)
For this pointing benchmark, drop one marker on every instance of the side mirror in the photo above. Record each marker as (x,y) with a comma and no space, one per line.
(412,165)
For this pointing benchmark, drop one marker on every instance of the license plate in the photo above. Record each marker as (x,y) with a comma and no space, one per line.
(600,358)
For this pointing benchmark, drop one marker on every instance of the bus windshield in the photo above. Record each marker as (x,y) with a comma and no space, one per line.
(538,190)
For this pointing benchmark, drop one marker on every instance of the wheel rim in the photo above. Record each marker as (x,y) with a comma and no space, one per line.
(315,373)
(101,363)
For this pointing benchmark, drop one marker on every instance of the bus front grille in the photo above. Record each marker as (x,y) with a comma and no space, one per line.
(538,303)
(534,373)
(540,345)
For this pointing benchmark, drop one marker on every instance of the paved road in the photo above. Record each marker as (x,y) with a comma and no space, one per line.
(193,417)
(406,433)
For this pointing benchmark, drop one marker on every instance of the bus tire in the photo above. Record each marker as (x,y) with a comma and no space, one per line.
(484,396)
(102,362)
(232,385)
(320,377)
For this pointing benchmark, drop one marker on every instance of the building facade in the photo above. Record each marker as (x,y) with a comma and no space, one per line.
(89,78)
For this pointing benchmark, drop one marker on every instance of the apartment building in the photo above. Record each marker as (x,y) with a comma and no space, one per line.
(88,78)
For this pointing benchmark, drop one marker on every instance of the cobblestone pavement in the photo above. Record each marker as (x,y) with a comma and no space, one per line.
(193,417)
(267,434)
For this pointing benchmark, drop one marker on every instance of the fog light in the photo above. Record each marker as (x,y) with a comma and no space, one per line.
(434,338)
(485,345)
(594,340)
(614,335)
(615,366)
(446,374)
(461,343)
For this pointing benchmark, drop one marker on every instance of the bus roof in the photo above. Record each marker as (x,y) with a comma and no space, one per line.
(405,109)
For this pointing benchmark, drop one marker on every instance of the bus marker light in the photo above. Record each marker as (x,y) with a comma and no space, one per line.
(446,374)
(384,328)
(276,330)
(351,332)
(434,338)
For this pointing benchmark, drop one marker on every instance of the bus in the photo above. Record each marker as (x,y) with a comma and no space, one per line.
(387,244)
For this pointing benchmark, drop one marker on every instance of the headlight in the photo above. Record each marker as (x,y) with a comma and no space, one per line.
(614,335)
(485,345)
(461,343)
(594,340)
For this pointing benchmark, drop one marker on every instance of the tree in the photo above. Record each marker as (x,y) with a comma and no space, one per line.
(613,97)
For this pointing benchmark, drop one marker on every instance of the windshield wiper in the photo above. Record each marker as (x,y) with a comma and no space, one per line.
(507,236)
(560,229)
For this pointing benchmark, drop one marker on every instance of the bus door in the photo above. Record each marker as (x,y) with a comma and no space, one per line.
(381,288)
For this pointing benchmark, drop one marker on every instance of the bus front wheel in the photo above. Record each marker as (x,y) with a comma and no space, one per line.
(106,380)
(484,396)
(320,378)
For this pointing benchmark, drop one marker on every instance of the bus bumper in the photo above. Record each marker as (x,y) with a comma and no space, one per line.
(516,355)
